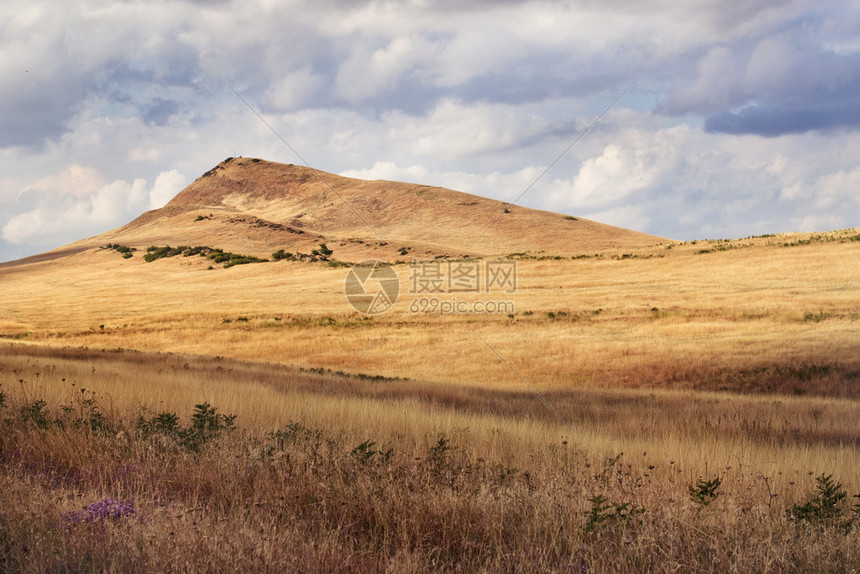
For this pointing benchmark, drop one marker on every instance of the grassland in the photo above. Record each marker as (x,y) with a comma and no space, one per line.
(405,476)
(672,363)
(764,318)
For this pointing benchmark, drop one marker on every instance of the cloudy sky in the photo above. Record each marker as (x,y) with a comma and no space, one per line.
(744,118)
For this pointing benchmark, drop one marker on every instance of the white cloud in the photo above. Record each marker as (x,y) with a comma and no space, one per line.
(366,73)
(79,202)
(627,216)
(820,223)
(166,186)
(387,170)
(294,89)
(456,130)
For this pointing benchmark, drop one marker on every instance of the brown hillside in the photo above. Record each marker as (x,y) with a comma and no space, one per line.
(255,206)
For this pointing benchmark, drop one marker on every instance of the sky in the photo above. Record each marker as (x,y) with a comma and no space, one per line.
(740,118)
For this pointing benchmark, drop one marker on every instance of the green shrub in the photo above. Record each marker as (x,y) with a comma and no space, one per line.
(231,259)
(322,253)
(824,504)
(280,254)
(365,453)
(242,260)
(125,250)
(34,412)
(439,453)
(705,492)
(206,426)
(604,510)
(91,417)
(154,253)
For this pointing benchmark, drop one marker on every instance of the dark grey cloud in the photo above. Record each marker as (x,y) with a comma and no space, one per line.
(775,121)
(35,109)
(794,81)
(159,111)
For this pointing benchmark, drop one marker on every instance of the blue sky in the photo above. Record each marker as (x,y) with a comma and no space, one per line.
(744,117)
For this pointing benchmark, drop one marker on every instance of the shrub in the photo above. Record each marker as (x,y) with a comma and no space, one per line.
(231,259)
(604,510)
(705,492)
(322,253)
(91,417)
(242,260)
(365,453)
(125,250)
(438,454)
(34,412)
(199,250)
(206,426)
(280,254)
(824,504)
(154,253)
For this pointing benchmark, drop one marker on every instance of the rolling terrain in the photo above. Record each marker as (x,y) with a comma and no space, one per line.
(672,364)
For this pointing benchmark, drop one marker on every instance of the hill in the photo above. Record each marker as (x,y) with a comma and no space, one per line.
(256,206)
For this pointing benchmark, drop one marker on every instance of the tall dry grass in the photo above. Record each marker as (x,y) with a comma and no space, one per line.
(407,476)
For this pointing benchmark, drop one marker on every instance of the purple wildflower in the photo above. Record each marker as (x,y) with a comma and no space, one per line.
(104,508)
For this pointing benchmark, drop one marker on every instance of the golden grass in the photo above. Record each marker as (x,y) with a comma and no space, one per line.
(512,491)
(741,363)
(761,318)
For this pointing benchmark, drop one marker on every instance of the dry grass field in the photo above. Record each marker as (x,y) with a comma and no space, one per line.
(707,391)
